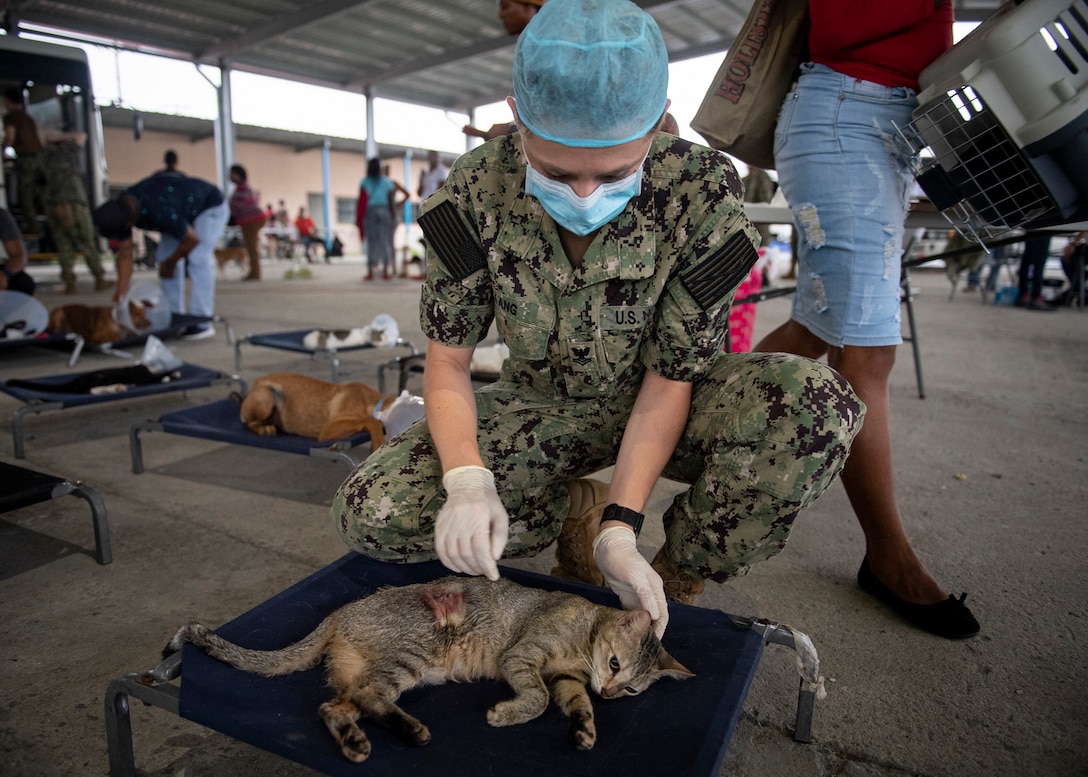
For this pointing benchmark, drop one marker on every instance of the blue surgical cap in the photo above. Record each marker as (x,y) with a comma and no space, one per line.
(591,73)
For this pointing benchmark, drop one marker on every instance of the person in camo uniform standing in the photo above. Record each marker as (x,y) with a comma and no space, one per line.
(68,213)
(607,255)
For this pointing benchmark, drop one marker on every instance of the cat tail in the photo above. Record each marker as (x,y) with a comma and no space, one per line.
(304,654)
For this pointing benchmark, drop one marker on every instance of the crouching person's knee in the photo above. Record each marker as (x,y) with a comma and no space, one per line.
(385,520)
(788,423)
(817,415)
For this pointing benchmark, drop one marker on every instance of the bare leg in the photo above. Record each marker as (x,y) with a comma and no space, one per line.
(867,476)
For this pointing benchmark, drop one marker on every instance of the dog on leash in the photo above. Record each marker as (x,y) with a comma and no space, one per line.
(236,254)
(95,323)
(289,403)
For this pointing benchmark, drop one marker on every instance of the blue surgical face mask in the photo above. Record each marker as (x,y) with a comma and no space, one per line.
(582,215)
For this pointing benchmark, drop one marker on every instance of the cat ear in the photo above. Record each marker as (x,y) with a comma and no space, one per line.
(636,621)
(670,667)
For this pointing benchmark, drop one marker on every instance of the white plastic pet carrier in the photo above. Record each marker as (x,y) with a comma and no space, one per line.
(1002,121)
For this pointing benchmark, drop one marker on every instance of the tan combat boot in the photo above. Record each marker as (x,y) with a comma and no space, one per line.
(70,287)
(101,284)
(574,548)
(680,586)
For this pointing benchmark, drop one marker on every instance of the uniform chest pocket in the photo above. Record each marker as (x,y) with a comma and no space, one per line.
(525,326)
(622,328)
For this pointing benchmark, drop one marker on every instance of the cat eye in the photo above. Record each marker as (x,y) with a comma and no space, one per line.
(631,691)
(614,664)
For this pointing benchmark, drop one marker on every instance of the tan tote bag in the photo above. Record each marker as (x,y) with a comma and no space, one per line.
(740,109)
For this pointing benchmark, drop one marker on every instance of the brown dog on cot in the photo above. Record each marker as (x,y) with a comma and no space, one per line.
(297,404)
(95,323)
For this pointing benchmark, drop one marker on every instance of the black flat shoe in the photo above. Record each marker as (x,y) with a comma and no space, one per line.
(949,619)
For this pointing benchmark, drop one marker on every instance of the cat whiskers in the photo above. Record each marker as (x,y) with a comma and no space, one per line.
(595,680)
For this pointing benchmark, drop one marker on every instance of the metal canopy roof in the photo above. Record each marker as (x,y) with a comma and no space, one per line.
(449,54)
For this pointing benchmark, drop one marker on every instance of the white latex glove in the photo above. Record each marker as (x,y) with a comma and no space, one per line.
(630,575)
(471,529)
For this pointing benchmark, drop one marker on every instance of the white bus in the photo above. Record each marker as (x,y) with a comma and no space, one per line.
(56,84)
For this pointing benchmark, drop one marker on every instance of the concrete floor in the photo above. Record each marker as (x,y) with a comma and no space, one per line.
(992,481)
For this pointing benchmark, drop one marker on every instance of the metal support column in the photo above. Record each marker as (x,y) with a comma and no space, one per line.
(326,196)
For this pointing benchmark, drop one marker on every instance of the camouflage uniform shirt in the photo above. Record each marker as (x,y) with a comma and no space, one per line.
(652,292)
(766,433)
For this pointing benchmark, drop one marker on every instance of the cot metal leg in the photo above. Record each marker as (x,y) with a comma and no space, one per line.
(403,366)
(406,363)
(119,729)
(135,447)
(806,707)
(908,302)
(103,551)
(151,687)
(18,434)
(229,380)
(238,352)
(381,374)
(412,350)
(226,327)
(77,350)
(812,684)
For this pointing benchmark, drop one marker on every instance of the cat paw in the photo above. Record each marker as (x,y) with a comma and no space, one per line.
(339,718)
(584,740)
(509,713)
(419,736)
(583,732)
(406,727)
(355,746)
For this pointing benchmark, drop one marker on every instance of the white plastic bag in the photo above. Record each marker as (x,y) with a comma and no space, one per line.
(158,358)
(401,413)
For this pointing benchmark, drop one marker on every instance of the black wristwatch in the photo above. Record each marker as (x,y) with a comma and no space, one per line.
(624,515)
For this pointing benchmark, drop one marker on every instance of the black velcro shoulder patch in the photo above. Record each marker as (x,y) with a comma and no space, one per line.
(454,243)
(722,271)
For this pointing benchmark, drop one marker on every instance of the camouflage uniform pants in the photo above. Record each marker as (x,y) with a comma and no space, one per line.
(30,173)
(73,232)
(767,434)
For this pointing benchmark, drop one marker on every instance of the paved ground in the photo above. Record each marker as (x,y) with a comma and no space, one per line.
(991,470)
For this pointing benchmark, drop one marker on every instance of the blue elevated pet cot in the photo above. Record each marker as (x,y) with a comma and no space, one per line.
(674,728)
(37,401)
(21,487)
(406,366)
(23,322)
(47,340)
(179,324)
(221,421)
(294,341)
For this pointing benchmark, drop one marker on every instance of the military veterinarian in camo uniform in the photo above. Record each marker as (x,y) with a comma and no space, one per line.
(606,254)
(68,213)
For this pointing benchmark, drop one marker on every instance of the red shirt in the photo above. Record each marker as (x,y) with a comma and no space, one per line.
(888,42)
(305,226)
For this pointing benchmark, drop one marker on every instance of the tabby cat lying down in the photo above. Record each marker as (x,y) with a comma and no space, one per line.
(462,629)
